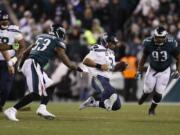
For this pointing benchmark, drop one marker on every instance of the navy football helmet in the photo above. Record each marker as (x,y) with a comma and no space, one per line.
(4,19)
(160,35)
(106,39)
(58,31)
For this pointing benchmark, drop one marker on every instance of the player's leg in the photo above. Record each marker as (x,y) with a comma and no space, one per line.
(156,99)
(162,82)
(91,102)
(49,89)
(127,89)
(6,81)
(43,82)
(109,99)
(109,96)
(32,80)
(149,84)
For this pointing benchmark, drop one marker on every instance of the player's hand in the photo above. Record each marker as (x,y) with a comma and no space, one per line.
(104,67)
(11,70)
(15,46)
(120,66)
(138,75)
(175,75)
(12,61)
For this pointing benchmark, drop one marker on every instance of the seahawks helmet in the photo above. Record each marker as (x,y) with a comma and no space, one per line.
(160,35)
(58,31)
(4,19)
(106,39)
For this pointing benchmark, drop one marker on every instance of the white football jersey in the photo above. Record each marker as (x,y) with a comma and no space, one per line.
(101,55)
(10,36)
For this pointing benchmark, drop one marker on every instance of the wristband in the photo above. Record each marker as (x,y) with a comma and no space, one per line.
(10,63)
(98,66)
(14,60)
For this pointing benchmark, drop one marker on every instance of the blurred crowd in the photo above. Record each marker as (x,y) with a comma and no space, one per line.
(86,20)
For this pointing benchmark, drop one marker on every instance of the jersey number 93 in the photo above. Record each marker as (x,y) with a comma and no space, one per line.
(159,56)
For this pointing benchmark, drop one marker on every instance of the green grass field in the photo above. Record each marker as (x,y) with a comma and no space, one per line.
(130,120)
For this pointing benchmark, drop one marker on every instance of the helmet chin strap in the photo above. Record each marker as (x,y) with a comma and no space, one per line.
(160,44)
(4,26)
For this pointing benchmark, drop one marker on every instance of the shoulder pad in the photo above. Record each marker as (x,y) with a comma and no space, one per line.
(170,39)
(147,40)
(98,48)
(14,28)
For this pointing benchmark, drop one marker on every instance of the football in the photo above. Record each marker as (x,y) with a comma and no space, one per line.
(120,66)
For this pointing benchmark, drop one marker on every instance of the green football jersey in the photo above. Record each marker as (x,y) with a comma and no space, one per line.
(161,57)
(44,49)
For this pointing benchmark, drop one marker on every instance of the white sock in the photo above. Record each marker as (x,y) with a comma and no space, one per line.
(96,103)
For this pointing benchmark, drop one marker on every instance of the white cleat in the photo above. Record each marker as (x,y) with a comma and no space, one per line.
(110,102)
(42,111)
(90,102)
(10,114)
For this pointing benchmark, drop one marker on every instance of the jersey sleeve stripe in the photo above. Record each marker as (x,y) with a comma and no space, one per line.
(13,30)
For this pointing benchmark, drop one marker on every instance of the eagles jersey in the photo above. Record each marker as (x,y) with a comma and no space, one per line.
(101,55)
(44,49)
(10,36)
(160,57)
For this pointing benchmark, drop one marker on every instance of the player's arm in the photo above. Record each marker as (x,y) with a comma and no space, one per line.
(64,58)
(90,63)
(176,54)
(144,57)
(178,62)
(9,62)
(4,47)
(21,49)
(24,55)
(142,62)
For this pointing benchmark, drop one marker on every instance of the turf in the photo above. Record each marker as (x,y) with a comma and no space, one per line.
(130,120)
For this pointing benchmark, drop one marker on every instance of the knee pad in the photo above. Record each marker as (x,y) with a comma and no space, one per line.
(157,97)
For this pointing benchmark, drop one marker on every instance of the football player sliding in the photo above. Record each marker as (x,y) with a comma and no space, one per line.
(160,49)
(46,47)
(100,62)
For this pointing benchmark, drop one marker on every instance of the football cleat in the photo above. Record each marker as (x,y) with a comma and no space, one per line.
(143,98)
(90,102)
(151,112)
(10,114)
(42,111)
(108,103)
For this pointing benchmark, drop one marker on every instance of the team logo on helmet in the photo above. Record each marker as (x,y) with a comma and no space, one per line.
(58,31)
(160,35)
(4,17)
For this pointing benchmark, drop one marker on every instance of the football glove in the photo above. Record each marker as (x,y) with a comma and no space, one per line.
(12,61)
(15,46)
(138,75)
(175,75)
